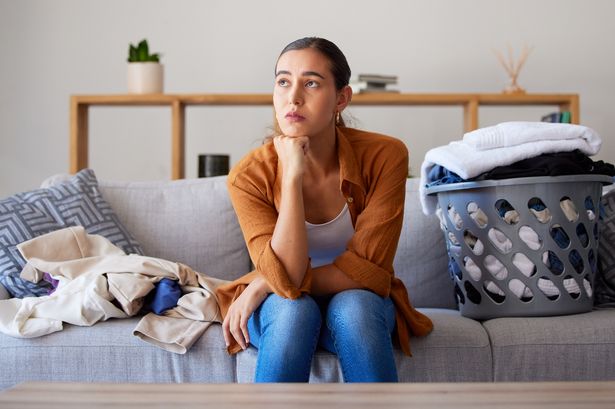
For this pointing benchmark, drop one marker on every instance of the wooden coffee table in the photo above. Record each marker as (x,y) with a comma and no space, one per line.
(556,395)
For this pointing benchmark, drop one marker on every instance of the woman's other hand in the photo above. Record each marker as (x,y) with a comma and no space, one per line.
(235,324)
(292,150)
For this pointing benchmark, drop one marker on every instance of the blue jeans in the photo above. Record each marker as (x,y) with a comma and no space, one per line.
(358,329)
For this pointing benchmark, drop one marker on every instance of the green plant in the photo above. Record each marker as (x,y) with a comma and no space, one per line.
(141,53)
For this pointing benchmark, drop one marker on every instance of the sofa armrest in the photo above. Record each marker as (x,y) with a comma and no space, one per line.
(4,294)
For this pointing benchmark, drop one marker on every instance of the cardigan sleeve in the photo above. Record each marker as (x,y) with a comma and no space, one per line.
(368,259)
(257,217)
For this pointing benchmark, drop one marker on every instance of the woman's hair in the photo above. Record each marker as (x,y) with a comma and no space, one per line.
(339,65)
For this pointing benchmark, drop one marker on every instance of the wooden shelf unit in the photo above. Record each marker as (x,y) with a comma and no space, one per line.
(80,104)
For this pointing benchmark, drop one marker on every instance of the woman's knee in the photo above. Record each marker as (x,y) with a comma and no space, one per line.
(359,309)
(353,302)
(296,316)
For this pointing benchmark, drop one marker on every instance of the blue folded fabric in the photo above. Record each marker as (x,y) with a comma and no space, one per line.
(165,295)
(439,175)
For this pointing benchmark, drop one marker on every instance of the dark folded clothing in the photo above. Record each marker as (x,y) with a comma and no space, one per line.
(550,164)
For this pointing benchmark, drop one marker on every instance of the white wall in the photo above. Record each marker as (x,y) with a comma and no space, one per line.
(52,49)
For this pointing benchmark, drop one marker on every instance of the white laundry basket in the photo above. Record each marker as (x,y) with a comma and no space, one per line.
(511,257)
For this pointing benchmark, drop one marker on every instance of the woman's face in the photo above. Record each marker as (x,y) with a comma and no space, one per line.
(304,96)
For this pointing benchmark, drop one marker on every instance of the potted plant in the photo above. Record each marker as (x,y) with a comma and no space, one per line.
(145,73)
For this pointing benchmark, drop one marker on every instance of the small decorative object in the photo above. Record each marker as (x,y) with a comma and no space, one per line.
(213,165)
(513,69)
(145,73)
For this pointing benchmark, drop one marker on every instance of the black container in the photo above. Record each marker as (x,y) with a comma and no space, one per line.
(213,165)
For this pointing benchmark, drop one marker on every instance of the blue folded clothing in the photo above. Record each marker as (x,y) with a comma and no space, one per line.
(164,296)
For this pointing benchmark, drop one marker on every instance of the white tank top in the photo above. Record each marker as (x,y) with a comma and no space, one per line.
(328,240)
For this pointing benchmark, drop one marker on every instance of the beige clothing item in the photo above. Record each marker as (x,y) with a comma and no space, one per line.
(97,281)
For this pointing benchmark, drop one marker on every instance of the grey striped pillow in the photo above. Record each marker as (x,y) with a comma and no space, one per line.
(23,216)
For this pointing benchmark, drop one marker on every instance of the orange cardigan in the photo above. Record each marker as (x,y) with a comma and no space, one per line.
(373,172)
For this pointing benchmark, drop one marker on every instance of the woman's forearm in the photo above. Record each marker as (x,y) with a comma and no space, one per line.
(289,240)
(329,279)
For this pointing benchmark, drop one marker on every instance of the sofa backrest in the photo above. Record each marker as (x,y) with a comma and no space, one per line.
(421,261)
(192,221)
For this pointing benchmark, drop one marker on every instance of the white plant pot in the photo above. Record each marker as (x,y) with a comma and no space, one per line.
(145,78)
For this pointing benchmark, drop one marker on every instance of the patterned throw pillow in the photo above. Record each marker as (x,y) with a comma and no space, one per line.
(24,216)
(604,295)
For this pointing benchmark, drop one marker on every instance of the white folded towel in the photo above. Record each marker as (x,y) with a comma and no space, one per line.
(516,133)
(467,161)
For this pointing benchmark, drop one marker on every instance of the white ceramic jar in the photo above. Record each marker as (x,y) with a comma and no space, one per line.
(145,78)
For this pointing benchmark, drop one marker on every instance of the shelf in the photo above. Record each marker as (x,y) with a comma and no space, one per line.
(80,104)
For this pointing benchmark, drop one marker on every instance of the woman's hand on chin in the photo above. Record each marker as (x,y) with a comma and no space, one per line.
(292,151)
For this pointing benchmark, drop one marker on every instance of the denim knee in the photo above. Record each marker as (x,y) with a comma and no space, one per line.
(359,308)
(286,320)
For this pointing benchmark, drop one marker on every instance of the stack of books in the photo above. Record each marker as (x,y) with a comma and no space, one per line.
(373,83)
(561,117)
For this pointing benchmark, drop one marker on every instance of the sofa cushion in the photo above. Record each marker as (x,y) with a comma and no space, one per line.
(108,352)
(577,347)
(190,221)
(604,294)
(76,201)
(421,260)
(457,350)
(325,367)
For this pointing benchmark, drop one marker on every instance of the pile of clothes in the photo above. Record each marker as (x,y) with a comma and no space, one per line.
(94,281)
(512,150)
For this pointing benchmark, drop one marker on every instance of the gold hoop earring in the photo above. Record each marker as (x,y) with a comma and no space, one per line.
(337,118)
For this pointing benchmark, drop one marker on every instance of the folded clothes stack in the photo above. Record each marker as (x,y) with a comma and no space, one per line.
(512,150)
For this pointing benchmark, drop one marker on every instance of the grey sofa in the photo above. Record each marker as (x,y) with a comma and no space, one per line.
(192,221)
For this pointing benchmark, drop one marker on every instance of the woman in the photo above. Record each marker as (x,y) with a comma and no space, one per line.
(321,208)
